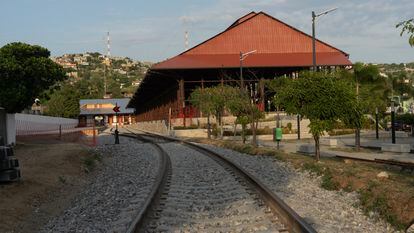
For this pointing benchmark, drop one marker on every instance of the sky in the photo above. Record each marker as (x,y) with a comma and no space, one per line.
(154,30)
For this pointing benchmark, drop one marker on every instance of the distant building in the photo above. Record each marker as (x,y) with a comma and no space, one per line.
(101,112)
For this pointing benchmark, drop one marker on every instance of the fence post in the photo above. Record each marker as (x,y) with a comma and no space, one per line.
(94,134)
(298,119)
(60,132)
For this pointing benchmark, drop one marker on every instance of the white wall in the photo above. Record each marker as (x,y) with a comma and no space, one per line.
(11,129)
(27,124)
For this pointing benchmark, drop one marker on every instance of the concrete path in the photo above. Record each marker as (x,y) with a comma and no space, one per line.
(326,151)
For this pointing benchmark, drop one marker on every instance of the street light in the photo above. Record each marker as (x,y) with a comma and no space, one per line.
(242,57)
(314,16)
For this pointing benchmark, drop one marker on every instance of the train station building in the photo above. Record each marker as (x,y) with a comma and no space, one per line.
(100,112)
(277,49)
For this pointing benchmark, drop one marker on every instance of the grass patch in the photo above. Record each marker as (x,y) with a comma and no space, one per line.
(62,179)
(328,181)
(378,203)
(89,163)
(313,168)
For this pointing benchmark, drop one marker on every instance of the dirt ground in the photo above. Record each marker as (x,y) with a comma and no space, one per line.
(52,173)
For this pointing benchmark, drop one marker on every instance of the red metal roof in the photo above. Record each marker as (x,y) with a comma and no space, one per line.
(277,45)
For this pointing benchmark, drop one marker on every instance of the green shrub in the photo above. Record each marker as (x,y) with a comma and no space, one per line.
(89,162)
(328,183)
(314,168)
(336,132)
(185,127)
(289,126)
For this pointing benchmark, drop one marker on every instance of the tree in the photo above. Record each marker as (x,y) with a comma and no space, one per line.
(215,100)
(407,118)
(64,102)
(202,99)
(407,27)
(25,72)
(211,101)
(241,106)
(364,74)
(322,98)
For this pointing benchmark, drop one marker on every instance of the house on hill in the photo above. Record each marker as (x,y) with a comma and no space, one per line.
(100,112)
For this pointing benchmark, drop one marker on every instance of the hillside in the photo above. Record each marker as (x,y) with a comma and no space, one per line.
(87,74)
(122,74)
(405,69)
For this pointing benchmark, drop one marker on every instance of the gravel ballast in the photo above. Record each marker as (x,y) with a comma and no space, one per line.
(203,196)
(115,194)
(327,211)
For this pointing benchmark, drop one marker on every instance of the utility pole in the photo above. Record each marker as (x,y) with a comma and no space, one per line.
(186,44)
(313,42)
(242,57)
(314,16)
(107,62)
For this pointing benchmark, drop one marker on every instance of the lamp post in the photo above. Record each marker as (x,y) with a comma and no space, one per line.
(242,57)
(314,16)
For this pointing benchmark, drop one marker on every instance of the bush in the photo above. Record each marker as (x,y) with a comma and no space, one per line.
(328,182)
(185,127)
(289,126)
(341,132)
(89,162)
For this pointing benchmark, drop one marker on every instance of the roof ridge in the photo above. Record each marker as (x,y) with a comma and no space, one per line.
(211,38)
(238,21)
(292,27)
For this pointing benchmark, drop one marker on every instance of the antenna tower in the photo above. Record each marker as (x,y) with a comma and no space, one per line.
(107,63)
(108,45)
(186,47)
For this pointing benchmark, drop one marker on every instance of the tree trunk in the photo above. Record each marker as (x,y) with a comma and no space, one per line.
(208,127)
(221,126)
(254,136)
(317,149)
(357,139)
(254,143)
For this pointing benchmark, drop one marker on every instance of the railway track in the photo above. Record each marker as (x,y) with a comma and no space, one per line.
(198,190)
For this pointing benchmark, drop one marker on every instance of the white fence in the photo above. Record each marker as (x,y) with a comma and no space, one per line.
(27,124)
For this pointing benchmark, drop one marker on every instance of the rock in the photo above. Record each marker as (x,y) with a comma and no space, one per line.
(347,161)
(410,229)
(383,175)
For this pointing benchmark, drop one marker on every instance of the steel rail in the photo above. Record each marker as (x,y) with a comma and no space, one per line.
(160,182)
(291,220)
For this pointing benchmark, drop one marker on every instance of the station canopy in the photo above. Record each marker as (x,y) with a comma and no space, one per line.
(279,48)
